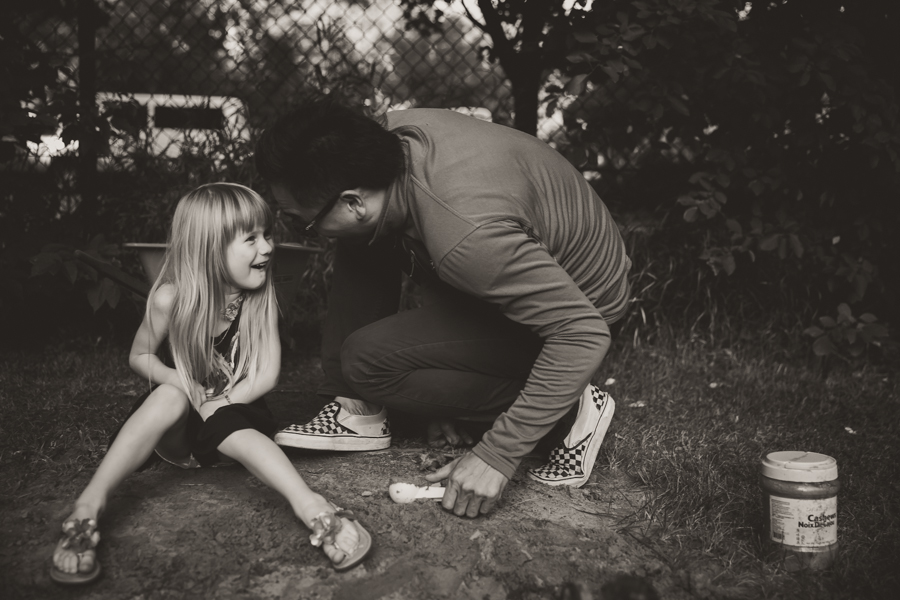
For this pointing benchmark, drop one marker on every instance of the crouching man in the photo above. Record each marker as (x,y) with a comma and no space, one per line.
(523,268)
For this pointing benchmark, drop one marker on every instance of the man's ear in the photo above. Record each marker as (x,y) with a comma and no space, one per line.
(354,201)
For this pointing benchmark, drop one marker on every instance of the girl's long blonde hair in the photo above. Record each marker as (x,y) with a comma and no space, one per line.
(206,221)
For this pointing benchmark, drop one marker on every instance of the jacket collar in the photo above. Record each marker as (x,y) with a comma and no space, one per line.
(395,213)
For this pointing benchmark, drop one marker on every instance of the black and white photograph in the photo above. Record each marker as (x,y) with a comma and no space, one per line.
(450,299)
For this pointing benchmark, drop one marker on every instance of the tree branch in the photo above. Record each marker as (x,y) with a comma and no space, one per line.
(493,26)
(535,18)
(472,18)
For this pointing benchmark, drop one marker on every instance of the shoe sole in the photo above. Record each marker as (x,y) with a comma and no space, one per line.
(336,443)
(79,578)
(590,455)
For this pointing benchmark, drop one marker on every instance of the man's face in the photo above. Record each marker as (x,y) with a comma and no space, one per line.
(300,216)
(336,219)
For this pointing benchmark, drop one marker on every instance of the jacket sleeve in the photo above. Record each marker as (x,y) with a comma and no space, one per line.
(499,263)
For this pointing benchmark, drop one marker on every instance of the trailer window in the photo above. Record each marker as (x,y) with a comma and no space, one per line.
(184,117)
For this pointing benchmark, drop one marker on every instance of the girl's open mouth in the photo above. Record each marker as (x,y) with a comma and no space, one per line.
(261,266)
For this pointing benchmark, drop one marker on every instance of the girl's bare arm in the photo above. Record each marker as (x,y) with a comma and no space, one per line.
(153,330)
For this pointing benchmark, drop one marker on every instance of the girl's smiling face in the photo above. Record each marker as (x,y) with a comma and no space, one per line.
(247,258)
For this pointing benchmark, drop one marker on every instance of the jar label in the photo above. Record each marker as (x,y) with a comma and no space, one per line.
(804,523)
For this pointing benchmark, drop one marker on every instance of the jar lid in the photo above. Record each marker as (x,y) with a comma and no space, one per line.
(807,467)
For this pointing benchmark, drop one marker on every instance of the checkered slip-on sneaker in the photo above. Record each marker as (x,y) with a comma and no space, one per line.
(572,461)
(334,429)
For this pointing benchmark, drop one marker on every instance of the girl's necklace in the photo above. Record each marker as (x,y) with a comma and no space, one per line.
(231,311)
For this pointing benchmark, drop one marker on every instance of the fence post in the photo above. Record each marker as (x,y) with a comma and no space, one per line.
(87,98)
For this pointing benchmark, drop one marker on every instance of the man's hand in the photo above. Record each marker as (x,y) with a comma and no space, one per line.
(442,433)
(473,486)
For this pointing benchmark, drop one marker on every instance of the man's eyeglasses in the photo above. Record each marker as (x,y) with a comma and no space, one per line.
(306,229)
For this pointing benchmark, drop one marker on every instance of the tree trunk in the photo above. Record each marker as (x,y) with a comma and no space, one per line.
(526,83)
(522,64)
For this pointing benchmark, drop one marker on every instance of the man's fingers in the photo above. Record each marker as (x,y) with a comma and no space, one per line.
(488,505)
(449,431)
(436,435)
(450,496)
(474,507)
(466,438)
(444,432)
(472,487)
(442,473)
(463,499)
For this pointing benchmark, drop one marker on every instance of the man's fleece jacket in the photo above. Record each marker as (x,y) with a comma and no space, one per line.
(507,219)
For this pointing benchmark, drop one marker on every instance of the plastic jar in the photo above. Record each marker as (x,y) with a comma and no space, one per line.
(800,508)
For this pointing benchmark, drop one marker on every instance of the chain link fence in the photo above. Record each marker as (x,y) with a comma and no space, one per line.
(170,75)
(180,90)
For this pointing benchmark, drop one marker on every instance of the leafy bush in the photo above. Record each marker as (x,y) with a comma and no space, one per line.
(759,141)
(771,129)
(846,333)
(60,259)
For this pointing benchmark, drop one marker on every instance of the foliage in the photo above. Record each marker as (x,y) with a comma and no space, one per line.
(240,49)
(178,50)
(32,100)
(448,70)
(846,332)
(42,216)
(760,305)
(60,259)
(773,126)
(770,131)
(527,39)
(259,52)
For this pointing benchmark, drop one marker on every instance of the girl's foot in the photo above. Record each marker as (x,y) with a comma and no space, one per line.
(344,540)
(75,557)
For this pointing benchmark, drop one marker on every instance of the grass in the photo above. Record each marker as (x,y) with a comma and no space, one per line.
(693,421)
(58,408)
(694,417)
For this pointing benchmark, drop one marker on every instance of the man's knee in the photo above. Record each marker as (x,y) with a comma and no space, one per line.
(357,358)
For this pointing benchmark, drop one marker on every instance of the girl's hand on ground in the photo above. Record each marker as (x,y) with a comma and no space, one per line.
(473,486)
(443,433)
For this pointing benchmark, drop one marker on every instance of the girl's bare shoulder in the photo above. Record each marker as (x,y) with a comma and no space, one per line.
(163,298)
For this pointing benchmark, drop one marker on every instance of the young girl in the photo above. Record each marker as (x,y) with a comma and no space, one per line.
(215,303)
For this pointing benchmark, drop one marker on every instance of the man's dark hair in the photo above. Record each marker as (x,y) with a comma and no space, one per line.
(322,148)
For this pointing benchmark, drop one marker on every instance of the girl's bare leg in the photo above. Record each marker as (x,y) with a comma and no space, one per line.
(268,462)
(160,421)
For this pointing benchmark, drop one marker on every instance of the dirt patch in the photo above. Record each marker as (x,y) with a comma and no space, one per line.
(220,533)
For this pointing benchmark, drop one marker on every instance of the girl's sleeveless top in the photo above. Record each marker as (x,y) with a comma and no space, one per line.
(227,345)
